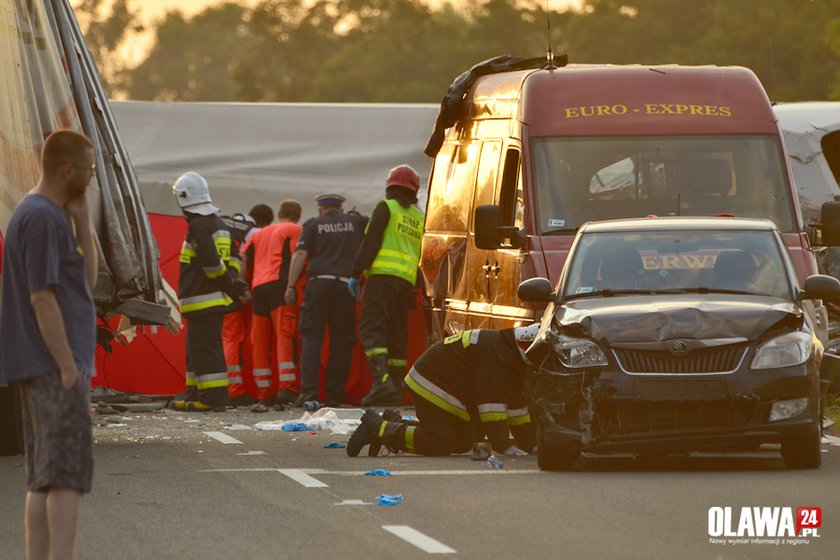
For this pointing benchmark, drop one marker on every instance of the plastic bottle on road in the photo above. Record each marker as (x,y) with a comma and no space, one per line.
(494,463)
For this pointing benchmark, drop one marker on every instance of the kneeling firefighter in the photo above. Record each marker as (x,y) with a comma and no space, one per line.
(467,386)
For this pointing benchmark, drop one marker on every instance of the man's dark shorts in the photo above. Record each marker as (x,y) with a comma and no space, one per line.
(57,433)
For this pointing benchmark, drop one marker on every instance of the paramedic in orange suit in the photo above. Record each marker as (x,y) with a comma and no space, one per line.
(236,329)
(274,322)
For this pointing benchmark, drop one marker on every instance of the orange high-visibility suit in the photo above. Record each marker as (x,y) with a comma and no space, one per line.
(274,323)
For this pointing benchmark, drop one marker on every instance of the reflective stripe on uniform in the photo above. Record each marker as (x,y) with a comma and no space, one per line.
(263,383)
(191,379)
(205,301)
(409,438)
(519,420)
(211,381)
(235,264)
(287,377)
(397,362)
(376,352)
(435,395)
(262,372)
(466,338)
(286,365)
(234,375)
(492,412)
(213,272)
(188,252)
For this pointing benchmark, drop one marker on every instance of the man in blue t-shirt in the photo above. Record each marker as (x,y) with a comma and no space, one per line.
(47,339)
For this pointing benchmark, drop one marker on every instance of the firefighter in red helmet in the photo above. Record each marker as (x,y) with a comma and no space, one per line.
(389,257)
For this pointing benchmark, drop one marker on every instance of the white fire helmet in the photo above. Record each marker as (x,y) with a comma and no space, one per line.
(525,337)
(193,194)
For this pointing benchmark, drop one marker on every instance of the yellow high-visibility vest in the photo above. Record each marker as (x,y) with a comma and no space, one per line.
(400,251)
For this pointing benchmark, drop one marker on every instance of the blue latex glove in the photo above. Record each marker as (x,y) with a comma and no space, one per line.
(378,472)
(355,288)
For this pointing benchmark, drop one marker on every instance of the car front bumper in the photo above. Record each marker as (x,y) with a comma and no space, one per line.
(611,411)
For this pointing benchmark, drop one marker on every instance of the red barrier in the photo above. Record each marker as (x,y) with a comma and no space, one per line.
(154,362)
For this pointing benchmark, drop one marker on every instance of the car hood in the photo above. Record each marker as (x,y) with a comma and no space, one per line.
(657,318)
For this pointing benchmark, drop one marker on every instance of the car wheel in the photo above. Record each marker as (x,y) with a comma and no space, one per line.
(802,452)
(555,458)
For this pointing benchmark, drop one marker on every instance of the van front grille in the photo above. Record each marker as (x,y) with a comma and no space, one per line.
(720,359)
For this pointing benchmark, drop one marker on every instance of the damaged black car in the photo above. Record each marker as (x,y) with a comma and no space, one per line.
(675,335)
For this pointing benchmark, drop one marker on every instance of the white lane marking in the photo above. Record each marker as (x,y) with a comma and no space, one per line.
(302,478)
(352,503)
(224,438)
(393,473)
(252,453)
(832,440)
(418,539)
(426,473)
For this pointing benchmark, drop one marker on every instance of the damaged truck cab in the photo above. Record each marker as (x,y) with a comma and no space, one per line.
(530,155)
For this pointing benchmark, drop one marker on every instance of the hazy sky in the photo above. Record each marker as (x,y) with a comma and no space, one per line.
(150,10)
(155,8)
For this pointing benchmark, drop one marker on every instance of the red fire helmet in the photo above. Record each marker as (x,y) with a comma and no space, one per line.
(403,176)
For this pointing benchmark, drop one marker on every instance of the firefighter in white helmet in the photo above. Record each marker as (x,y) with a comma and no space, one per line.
(209,286)
(469,385)
(389,257)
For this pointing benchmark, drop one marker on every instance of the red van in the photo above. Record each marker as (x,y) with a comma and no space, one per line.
(534,154)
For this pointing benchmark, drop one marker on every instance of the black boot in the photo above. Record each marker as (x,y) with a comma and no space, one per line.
(392,417)
(366,433)
(396,374)
(383,392)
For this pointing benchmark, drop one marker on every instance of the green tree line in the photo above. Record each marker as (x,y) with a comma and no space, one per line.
(407,51)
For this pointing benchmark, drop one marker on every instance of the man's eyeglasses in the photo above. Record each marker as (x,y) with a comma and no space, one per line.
(91,167)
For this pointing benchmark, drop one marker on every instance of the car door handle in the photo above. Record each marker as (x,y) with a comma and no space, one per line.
(496,269)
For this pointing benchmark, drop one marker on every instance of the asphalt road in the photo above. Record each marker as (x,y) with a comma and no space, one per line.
(164,489)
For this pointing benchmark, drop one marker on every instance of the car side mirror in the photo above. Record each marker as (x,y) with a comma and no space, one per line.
(821,286)
(535,290)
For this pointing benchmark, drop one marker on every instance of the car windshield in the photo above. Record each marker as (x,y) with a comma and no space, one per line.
(679,261)
(588,179)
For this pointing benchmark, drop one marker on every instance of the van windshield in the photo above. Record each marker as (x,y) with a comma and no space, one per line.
(578,180)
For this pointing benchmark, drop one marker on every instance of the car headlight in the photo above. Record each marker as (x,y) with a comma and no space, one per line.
(578,352)
(790,349)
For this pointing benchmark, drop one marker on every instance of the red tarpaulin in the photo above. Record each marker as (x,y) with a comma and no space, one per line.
(154,362)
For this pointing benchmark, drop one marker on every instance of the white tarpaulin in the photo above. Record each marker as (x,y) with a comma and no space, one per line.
(803,127)
(265,152)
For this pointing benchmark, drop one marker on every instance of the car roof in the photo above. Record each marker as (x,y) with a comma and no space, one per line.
(671,223)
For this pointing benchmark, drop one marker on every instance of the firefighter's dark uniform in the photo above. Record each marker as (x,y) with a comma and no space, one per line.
(469,385)
(207,287)
(389,256)
(331,241)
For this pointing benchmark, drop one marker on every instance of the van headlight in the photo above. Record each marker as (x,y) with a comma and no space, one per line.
(790,349)
(576,353)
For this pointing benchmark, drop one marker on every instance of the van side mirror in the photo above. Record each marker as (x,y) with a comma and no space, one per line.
(488,220)
(821,286)
(830,224)
(535,290)
(489,231)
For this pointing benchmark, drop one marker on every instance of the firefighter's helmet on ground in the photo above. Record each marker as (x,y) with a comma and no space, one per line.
(525,336)
(403,176)
(193,194)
